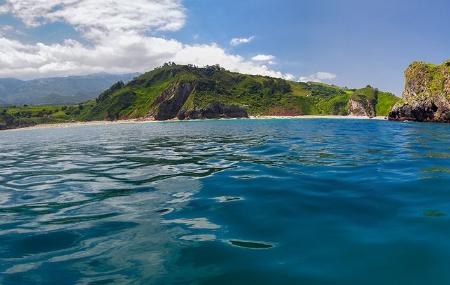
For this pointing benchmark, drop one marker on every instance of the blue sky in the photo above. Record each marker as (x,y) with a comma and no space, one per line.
(351,43)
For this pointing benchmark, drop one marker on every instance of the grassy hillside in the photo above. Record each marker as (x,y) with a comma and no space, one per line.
(23,116)
(259,95)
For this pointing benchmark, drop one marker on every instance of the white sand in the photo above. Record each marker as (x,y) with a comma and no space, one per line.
(82,124)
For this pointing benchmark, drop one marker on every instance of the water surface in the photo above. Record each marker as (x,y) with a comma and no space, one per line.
(311,201)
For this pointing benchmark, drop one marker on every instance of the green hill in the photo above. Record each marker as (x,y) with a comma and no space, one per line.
(188,92)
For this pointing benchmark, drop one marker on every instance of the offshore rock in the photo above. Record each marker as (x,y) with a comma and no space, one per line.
(426,97)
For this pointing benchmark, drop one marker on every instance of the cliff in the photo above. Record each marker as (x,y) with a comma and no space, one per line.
(426,97)
(363,102)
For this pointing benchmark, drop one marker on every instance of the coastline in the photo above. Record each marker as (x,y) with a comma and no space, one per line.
(81,124)
(318,117)
(144,121)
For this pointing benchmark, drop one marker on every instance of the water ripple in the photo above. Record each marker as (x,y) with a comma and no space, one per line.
(324,201)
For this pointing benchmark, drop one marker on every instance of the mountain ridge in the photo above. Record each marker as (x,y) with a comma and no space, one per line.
(57,90)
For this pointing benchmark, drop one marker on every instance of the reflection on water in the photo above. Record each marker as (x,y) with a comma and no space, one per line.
(250,244)
(226,202)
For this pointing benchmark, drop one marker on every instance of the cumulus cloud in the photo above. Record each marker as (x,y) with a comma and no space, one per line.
(119,37)
(99,18)
(240,41)
(318,77)
(263,57)
(206,54)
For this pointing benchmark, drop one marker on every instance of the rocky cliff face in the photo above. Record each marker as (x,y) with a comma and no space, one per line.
(213,111)
(426,97)
(169,105)
(363,102)
(362,107)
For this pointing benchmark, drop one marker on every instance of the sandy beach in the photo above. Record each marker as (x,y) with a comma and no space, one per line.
(144,121)
(82,124)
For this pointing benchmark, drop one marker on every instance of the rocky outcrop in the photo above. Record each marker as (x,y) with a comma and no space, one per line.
(362,107)
(8,121)
(363,102)
(426,97)
(213,111)
(169,105)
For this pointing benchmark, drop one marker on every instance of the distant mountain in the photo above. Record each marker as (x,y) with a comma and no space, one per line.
(57,90)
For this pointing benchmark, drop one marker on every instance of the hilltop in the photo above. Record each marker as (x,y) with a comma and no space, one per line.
(182,90)
(189,92)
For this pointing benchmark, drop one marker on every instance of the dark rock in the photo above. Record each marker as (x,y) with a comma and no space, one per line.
(213,111)
(168,104)
(432,109)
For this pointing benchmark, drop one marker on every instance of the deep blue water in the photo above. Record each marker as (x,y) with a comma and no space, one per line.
(311,201)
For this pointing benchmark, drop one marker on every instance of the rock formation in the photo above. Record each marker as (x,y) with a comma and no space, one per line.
(363,102)
(426,97)
(362,107)
(213,111)
(169,105)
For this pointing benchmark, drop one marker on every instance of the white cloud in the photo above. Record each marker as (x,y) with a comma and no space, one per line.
(6,28)
(318,77)
(240,41)
(208,54)
(118,41)
(99,18)
(263,57)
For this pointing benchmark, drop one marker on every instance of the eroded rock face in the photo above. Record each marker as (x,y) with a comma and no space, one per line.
(362,107)
(426,97)
(213,111)
(168,104)
(435,109)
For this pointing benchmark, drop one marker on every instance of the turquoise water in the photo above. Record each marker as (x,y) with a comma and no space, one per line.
(312,201)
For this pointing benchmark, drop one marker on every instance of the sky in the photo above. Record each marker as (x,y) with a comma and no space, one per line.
(349,43)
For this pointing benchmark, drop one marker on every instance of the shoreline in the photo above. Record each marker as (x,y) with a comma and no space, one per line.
(318,117)
(144,121)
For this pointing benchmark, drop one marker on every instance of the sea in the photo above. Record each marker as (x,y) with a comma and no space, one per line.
(269,201)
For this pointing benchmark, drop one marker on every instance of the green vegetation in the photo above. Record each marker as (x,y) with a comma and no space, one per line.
(385,102)
(259,95)
(13,117)
(426,97)
(431,77)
